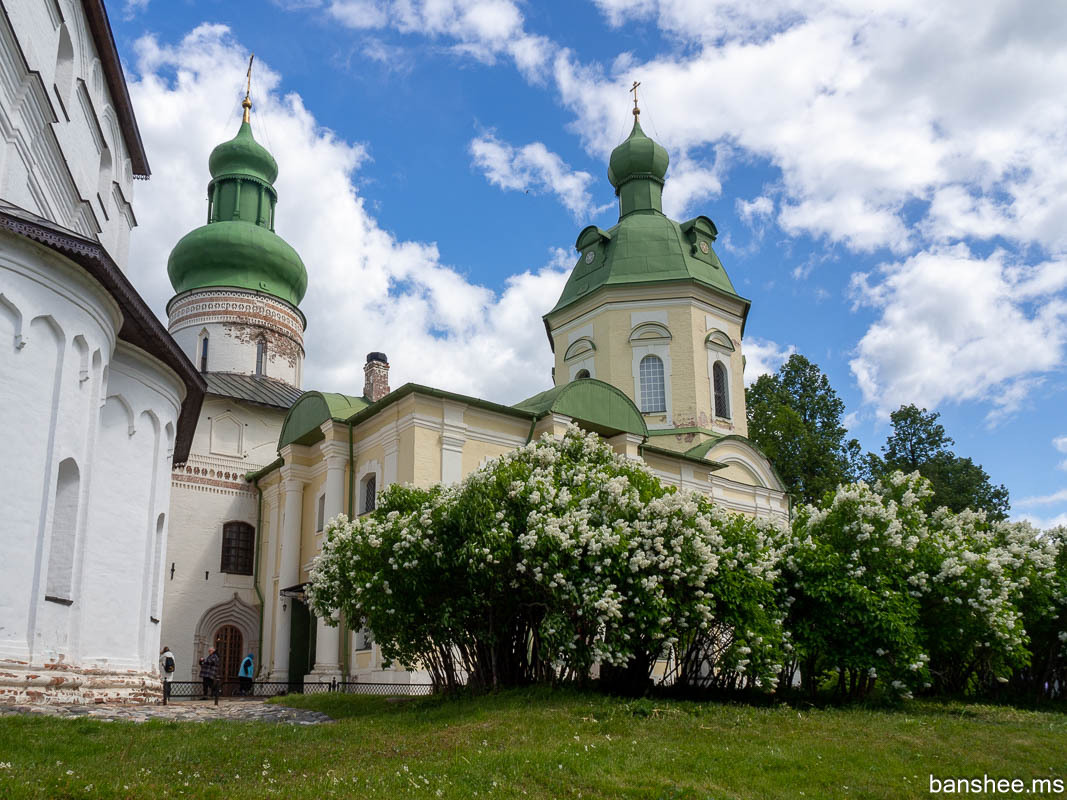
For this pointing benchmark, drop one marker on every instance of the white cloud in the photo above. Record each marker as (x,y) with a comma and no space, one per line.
(134,7)
(763,357)
(755,212)
(868,113)
(1044,500)
(957,327)
(359,14)
(367,289)
(905,125)
(482,29)
(532,168)
(1060,443)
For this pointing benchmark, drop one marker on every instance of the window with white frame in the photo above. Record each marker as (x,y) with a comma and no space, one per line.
(653,392)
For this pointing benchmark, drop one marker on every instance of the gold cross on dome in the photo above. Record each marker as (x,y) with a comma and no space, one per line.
(247,102)
(634,90)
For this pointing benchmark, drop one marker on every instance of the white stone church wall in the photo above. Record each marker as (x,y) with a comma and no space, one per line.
(62,154)
(83,482)
(232,439)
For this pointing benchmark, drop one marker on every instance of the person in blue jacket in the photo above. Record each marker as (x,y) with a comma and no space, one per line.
(245,674)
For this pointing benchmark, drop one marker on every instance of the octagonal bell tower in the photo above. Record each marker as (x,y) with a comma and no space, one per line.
(237,283)
(650,309)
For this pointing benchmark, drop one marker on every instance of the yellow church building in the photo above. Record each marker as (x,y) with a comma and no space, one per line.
(647,338)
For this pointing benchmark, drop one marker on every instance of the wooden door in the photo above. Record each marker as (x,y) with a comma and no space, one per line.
(230,646)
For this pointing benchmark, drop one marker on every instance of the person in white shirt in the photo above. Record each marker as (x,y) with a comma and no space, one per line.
(167,667)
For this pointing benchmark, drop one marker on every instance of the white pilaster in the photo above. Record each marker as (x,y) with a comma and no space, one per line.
(327,637)
(288,571)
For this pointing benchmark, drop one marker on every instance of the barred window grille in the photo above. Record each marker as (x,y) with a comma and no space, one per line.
(238,544)
(653,394)
(722,398)
(369,490)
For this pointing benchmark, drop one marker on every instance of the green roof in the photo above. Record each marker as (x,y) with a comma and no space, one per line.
(701,450)
(238,254)
(303,422)
(244,156)
(645,247)
(254,389)
(238,246)
(638,156)
(599,405)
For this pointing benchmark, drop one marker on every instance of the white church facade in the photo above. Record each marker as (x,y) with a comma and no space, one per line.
(98,400)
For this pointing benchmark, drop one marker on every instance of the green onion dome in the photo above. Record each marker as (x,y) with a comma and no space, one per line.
(236,253)
(238,246)
(243,155)
(637,157)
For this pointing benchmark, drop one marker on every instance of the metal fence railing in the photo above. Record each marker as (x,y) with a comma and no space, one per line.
(194,690)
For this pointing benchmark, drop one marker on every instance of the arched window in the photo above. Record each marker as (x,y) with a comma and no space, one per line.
(238,548)
(261,357)
(653,394)
(369,494)
(582,373)
(203,353)
(157,568)
(64,529)
(722,397)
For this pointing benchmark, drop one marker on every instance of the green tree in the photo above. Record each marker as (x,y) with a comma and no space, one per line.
(794,417)
(550,559)
(920,444)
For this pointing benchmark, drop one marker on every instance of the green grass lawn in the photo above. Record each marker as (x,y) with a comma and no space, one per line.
(536,744)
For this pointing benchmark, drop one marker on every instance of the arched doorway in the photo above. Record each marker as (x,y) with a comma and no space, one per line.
(229,644)
(235,613)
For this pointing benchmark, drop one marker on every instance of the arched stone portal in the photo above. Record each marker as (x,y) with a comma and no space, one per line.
(236,614)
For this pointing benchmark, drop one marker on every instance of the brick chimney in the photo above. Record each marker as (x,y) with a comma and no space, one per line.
(376,377)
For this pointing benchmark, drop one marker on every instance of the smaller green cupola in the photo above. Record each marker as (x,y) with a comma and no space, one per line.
(238,246)
(637,169)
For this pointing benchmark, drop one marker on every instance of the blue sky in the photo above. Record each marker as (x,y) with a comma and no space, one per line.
(889,182)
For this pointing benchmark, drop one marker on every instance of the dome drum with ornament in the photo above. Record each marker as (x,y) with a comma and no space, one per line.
(237,283)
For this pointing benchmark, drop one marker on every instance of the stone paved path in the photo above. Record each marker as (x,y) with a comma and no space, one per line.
(182,711)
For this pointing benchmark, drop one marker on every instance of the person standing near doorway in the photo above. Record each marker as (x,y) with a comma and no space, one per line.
(167,666)
(245,674)
(209,671)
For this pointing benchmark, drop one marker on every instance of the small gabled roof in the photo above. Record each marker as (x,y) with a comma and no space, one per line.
(600,406)
(303,422)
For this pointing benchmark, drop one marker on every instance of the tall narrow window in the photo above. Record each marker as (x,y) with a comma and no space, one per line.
(157,568)
(238,546)
(722,397)
(261,357)
(369,492)
(320,514)
(64,528)
(653,395)
(203,354)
